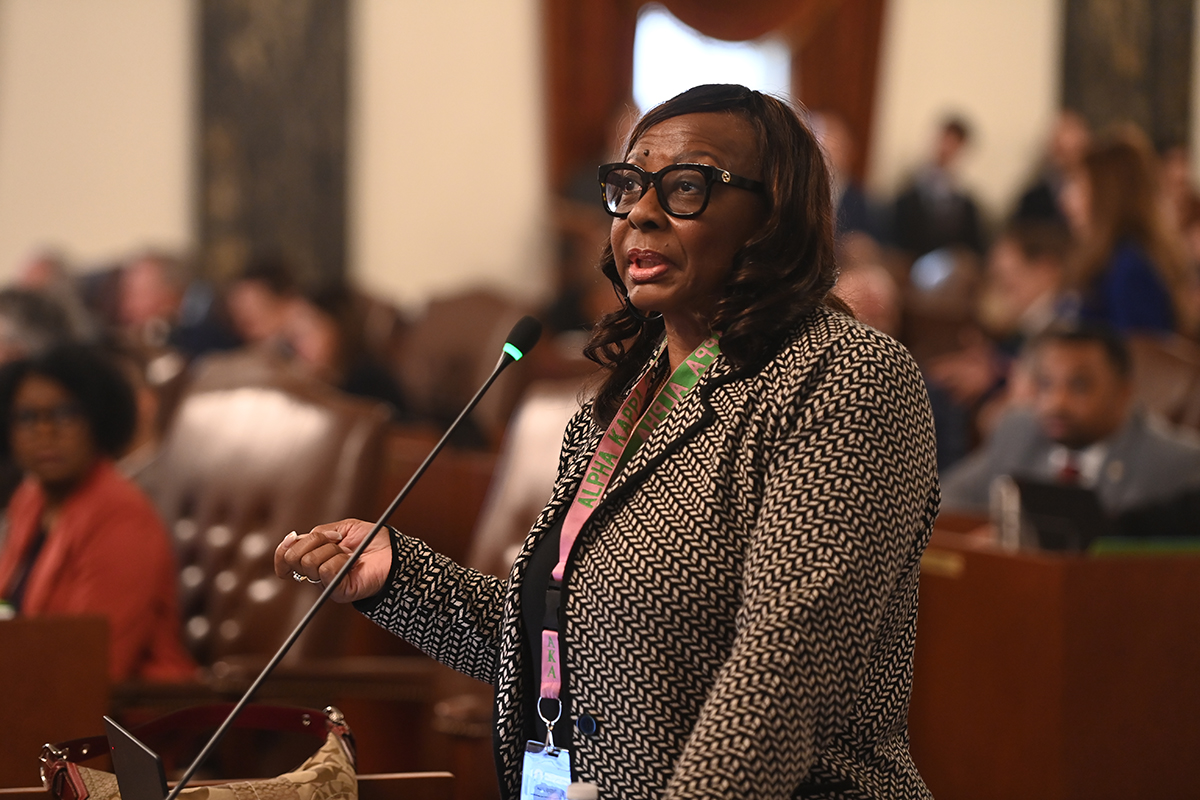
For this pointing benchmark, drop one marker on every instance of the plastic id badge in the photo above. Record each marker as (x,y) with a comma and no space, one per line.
(545,774)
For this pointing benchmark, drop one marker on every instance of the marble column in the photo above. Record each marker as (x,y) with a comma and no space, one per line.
(272,134)
(1130,60)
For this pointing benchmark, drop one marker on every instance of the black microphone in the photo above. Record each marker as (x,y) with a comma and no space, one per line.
(521,339)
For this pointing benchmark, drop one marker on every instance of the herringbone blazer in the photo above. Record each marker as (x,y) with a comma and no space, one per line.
(740,609)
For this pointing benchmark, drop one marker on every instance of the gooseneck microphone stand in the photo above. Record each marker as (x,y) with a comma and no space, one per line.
(521,340)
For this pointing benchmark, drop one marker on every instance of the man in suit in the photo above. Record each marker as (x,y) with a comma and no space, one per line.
(1082,430)
(935,211)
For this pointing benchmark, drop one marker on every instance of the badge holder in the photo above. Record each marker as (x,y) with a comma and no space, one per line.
(546,769)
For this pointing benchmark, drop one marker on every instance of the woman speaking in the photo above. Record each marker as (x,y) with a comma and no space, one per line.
(719,600)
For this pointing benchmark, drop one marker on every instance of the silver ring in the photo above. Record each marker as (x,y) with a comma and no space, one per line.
(298,578)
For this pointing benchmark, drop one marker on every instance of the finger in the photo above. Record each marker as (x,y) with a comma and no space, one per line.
(301,546)
(281,567)
(333,532)
(329,569)
(310,565)
(310,562)
(305,558)
(352,531)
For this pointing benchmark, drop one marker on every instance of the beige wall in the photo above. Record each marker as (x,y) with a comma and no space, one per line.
(995,62)
(95,126)
(447,155)
(96,98)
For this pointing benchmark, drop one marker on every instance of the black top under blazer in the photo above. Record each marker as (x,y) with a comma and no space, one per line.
(740,609)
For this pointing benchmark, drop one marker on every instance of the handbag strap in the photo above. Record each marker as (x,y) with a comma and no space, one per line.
(288,719)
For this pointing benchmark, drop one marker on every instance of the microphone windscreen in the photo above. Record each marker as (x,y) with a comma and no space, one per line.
(523,337)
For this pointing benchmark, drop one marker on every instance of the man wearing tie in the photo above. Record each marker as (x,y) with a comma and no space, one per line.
(1083,430)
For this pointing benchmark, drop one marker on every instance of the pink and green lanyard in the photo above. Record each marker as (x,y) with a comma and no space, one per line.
(630,428)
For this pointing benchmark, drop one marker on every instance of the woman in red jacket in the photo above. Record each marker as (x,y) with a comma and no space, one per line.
(81,538)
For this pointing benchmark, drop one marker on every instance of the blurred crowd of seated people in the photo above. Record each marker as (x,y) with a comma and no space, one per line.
(1106,236)
(1081,429)
(91,365)
(1010,317)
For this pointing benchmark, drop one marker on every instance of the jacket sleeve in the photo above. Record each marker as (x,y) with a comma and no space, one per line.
(117,573)
(849,498)
(450,612)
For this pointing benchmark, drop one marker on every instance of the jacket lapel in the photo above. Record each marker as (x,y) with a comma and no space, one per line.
(681,424)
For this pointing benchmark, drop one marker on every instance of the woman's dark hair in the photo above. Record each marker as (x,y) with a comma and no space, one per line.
(779,276)
(272,270)
(336,300)
(92,379)
(1110,340)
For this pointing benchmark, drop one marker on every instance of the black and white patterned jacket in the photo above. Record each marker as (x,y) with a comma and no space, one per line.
(741,607)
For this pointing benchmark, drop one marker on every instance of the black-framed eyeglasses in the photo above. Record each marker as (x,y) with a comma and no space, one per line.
(683,189)
(58,416)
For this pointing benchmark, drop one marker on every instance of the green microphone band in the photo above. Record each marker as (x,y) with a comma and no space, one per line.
(513,351)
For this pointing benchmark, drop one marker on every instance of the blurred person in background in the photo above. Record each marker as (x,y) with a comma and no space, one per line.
(30,324)
(46,272)
(82,538)
(1128,271)
(261,300)
(1181,205)
(1189,306)
(326,336)
(1175,185)
(974,385)
(866,286)
(1082,430)
(1069,139)
(581,296)
(935,211)
(144,445)
(161,305)
(1023,284)
(854,212)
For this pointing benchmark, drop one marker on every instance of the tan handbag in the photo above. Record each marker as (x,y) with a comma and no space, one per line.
(328,775)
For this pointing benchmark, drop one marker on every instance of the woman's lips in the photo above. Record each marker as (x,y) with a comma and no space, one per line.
(646,265)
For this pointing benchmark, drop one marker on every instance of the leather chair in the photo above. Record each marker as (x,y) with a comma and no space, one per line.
(256,450)
(1166,377)
(447,353)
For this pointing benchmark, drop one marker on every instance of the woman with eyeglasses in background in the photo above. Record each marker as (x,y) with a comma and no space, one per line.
(81,538)
(720,598)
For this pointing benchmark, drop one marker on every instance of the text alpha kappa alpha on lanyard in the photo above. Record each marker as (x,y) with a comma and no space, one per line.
(631,427)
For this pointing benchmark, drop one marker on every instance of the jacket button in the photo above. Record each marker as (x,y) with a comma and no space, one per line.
(586,724)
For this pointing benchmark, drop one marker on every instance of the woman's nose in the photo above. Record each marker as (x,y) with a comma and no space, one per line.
(647,213)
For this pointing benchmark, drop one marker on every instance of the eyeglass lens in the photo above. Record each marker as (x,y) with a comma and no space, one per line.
(680,191)
(58,416)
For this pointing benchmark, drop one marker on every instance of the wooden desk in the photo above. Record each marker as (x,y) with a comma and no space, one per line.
(54,686)
(1056,676)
